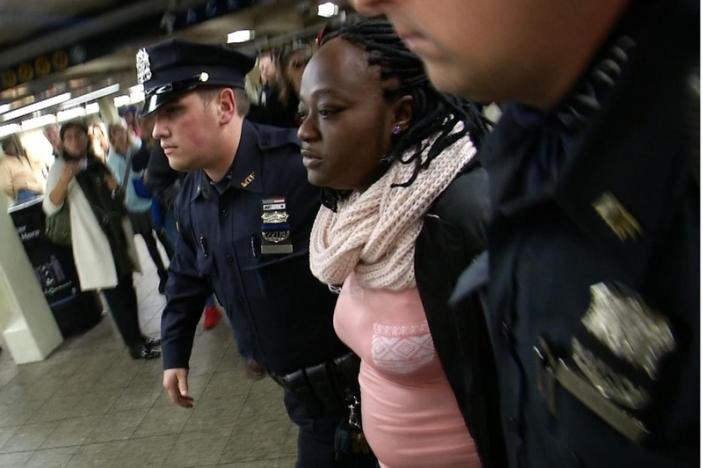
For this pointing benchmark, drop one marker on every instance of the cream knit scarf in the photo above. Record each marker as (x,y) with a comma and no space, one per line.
(373,232)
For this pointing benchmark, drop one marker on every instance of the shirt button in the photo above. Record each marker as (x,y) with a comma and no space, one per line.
(224,212)
(229,258)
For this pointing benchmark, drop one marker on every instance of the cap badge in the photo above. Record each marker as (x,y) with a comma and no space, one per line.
(143,67)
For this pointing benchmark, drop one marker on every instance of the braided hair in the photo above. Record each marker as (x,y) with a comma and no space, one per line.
(402,73)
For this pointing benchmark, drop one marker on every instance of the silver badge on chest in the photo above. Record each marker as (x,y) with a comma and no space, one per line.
(627,326)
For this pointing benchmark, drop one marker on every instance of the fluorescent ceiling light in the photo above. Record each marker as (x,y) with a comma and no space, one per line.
(38,122)
(11,129)
(136,97)
(36,106)
(136,89)
(68,114)
(121,101)
(4,108)
(106,91)
(93,108)
(243,35)
(327,9)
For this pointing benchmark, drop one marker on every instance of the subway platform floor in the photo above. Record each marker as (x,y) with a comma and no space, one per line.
(90,405)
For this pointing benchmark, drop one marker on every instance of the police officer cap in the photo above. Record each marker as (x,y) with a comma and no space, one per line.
(174,66)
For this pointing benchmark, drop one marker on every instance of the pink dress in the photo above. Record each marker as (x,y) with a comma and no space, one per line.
(409,414)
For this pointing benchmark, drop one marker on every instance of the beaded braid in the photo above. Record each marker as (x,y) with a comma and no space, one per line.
(402,73)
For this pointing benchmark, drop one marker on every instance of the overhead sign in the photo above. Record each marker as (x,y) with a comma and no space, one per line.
(41,66)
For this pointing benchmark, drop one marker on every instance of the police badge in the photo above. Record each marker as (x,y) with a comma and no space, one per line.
(619,354)
(143,66)
(275,231)
(629,328)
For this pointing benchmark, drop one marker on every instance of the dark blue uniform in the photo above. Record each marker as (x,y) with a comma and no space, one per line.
(593,286)
(281,314)
(245,238)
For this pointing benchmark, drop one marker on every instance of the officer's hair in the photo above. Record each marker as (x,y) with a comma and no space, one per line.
(402,73)
(240,98)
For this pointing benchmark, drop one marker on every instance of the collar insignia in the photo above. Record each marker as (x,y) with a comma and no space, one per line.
(620,221)
(248,180)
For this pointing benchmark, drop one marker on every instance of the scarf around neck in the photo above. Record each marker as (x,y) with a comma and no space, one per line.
(373,232)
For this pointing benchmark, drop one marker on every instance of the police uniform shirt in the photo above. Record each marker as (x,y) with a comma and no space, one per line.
(593,304)
(282,316)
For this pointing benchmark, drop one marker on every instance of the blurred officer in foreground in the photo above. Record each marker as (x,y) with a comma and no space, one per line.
(244,212)
(594,245)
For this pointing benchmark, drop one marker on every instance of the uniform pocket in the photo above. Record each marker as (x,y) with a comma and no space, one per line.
(206,269)
(271,260)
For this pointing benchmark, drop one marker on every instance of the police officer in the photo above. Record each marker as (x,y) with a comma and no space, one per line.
(244,212)
(593,294)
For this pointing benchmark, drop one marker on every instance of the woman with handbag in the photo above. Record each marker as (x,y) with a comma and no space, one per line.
(82,189)
(393,153)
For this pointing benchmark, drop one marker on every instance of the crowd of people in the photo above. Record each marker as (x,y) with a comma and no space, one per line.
(97,195)
(427,289)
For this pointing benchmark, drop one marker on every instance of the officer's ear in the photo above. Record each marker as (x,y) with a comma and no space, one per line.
(226,105)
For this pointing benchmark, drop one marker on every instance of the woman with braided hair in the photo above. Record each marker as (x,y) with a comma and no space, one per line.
(405,212)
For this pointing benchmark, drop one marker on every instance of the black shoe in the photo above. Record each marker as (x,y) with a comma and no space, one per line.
(142,352)
(152,343)
(163,278)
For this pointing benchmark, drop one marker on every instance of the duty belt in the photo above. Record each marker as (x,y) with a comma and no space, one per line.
(324,388)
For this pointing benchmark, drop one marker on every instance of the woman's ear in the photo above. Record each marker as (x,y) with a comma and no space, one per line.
(403,112)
